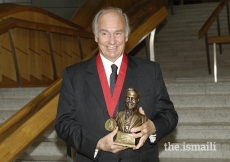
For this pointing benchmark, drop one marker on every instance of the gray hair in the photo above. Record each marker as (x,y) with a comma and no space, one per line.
(97,16)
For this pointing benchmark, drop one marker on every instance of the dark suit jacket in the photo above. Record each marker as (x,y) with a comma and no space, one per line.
(82,112)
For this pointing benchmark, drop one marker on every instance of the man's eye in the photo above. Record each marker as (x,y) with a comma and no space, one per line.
(117,33)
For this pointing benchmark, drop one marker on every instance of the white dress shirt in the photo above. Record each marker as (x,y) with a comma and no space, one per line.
(107,66)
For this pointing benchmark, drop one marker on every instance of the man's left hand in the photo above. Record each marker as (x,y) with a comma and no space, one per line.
(144,131)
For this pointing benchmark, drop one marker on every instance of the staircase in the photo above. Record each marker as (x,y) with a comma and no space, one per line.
(48,147)
(203,106)
(204,110)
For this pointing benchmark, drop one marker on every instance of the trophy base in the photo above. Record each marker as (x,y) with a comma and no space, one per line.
(124,139)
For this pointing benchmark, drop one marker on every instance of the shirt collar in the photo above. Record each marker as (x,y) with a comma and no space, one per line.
(107,64)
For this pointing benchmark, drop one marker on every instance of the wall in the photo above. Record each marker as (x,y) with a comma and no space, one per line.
(63,8)
(22,2)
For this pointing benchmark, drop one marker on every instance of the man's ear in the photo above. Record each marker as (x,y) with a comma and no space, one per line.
(96,39)
(126,39)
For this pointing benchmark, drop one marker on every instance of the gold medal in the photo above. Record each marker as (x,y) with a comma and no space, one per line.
(110,124)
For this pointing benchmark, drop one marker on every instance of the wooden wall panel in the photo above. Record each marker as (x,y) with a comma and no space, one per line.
(35,55)
(67,45)
(59,64)
(56,40)
(67,60)
(0,61)
(38,17)
(47,68)
(87,46)
(21,42)
(8,68)
(76,57)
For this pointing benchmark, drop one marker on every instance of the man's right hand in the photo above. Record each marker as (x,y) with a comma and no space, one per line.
(106,143)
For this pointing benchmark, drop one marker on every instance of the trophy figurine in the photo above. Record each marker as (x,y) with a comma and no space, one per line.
(129,118)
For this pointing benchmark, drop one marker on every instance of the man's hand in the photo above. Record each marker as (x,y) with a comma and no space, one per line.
(144,131)
(106,143)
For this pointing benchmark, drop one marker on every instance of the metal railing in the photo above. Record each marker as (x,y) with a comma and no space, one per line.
(204,32)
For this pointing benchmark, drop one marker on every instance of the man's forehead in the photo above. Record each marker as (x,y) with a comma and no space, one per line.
(105,30)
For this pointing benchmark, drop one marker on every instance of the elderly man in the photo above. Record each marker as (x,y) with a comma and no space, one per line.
(89,97)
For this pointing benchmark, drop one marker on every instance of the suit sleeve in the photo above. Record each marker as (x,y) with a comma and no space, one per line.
(165,117)
(66,124)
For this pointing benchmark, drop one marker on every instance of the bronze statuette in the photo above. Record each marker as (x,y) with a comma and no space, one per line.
(129,118)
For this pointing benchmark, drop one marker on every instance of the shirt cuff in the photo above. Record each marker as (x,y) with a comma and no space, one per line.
(95,153)
(152,138)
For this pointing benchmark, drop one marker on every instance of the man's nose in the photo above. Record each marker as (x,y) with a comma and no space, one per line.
(112,39)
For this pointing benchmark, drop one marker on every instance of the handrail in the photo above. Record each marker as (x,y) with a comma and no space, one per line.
(204,30)
(40,112)
(211,19)
(7,9)
(84,15)
(219,39)
(11,23)
(140,14)
(143,30)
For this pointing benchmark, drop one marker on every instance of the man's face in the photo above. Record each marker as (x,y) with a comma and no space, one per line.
(131,100)
(111,35)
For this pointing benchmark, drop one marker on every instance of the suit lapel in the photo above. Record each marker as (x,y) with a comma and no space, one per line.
(93,81)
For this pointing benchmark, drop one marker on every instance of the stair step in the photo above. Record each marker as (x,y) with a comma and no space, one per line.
(196,73)
(6,114)
(49,136)
(204,115)
(206,79)
(20,92)
(198,88)
(192,160)
(206,132)
(46,159)
(13,103)
(14,99)
(49,151)
(187,101)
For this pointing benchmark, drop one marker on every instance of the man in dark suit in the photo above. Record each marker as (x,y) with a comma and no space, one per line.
(86,101)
